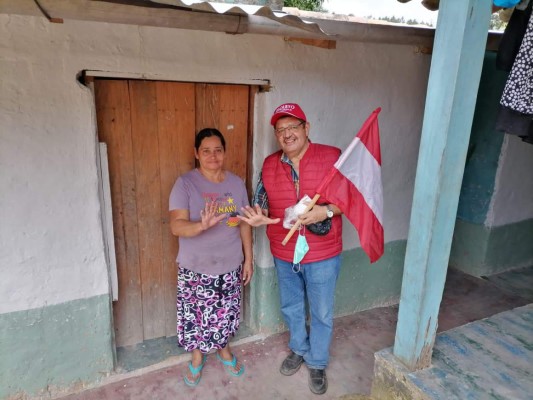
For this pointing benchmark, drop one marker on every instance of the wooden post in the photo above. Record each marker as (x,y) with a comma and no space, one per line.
(460,40)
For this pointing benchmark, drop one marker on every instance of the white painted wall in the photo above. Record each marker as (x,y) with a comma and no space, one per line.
(51,237)
(512,200)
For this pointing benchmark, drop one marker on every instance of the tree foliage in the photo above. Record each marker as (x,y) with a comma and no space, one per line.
(496,23)
(307,5)
(400,20)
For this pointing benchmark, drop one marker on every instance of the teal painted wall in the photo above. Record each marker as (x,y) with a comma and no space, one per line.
(510,246)
(361,286)
(469,247)
(50,348)
(481,251)
(478,249)
(263,314)
(485,146)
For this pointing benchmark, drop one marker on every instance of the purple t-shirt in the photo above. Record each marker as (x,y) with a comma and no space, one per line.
(217,250)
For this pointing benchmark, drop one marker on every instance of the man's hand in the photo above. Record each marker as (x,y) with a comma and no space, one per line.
(255,216)
(314,215)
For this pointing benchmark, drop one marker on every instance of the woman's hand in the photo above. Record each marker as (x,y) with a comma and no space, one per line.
(209,216)
(255,217)
(247,272)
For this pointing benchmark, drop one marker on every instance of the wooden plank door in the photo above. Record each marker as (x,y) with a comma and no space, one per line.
(226,108)
(149,129)
(176,119)
(113,113)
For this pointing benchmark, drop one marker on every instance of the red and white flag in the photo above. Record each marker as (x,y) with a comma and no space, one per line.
(354,185)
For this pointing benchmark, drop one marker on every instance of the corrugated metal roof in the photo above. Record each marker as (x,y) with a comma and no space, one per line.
(244,9)
(225,17)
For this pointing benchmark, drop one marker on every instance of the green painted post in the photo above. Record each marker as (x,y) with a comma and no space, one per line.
(459,46)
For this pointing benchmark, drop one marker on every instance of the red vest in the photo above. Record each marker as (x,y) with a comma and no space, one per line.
(315,164)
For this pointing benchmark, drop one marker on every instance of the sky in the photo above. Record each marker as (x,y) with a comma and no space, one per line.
(382,8)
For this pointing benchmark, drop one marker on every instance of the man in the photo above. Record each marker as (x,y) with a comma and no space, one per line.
(287,175)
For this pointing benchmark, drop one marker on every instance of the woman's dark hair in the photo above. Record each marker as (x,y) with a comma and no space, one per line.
(208,132)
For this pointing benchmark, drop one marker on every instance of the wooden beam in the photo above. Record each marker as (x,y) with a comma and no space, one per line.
(45,12)
(456,64)
(322,43)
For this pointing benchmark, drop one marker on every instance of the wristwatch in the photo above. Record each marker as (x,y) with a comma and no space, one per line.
(329,212)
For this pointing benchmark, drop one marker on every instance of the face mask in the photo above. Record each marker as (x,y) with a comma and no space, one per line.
(300,251)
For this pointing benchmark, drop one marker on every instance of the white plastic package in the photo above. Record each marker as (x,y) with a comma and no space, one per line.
(292,212)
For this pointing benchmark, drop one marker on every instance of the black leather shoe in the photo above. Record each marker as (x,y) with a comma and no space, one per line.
(291,364)
(318,381)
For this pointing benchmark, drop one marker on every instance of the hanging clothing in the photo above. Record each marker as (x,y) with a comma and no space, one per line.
(506,3)
(516,114)
(515,123)
(513,35)
(518,92)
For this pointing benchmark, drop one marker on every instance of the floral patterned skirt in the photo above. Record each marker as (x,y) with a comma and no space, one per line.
(209,308)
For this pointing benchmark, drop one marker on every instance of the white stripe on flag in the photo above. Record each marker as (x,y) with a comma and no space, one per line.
(361,168)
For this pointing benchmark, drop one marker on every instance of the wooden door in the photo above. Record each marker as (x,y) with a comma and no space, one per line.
(149,130)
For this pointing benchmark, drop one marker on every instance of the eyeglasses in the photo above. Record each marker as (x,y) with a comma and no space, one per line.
(291,128)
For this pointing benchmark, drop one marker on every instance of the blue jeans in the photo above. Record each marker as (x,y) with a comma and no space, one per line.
(317,280)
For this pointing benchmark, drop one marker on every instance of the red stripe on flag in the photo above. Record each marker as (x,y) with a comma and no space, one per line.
(344,192)
(341,192)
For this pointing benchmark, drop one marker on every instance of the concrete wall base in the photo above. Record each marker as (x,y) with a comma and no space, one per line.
(391,380)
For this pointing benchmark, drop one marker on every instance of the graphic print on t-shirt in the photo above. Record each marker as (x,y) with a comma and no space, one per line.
(225,205)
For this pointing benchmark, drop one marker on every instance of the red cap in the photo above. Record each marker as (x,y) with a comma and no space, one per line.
(287,110)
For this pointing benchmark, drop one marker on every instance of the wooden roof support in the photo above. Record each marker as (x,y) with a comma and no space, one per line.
(47,14)
(322,43)
(456,64)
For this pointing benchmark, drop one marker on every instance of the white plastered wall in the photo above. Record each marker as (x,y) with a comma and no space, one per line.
(512,200)
(52,249)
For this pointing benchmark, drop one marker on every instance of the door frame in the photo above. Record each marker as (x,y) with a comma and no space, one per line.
(87,77)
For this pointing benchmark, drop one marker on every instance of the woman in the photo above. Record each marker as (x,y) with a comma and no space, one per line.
(203,214)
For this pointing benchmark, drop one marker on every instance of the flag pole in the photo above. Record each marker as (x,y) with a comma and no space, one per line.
(299,221)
